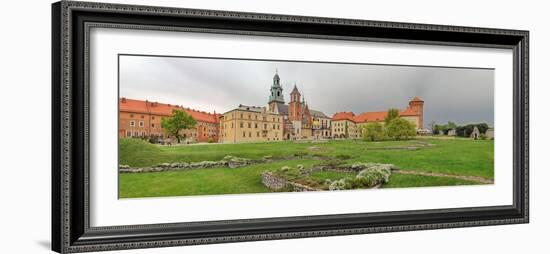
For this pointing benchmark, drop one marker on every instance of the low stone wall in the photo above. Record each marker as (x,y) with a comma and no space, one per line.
(277,183)
(227,161)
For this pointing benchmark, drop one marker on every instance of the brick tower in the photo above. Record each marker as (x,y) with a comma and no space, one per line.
(295,106)
(417,105)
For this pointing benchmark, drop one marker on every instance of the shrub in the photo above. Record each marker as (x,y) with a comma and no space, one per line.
(373,131)
(400,128)
(342,184)
(153,139)
(373,174)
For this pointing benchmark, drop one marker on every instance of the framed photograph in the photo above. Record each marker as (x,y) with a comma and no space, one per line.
(179,126)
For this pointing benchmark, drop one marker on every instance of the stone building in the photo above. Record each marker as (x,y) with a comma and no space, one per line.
(138,118)
(451,132)
(475,133)
(490,133)
(250,124)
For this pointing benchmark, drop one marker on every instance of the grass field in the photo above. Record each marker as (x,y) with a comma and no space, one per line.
(454,156)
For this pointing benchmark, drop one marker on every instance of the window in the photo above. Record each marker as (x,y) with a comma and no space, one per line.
(274,126)
(128,134)
(132,123)
(257,134)
(231,125)
(136,134)
(241,116)
(153,125)
(131,115)
(255,125)
(249,125)
(153,117)
(141,124)
(241,124)
(249,134)
(265,126)
(244,134)
(249,116)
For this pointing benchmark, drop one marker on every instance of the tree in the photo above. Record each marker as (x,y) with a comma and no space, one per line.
(393,113)
(466,130)
(400,128)
(373,131)
(444,128)
(179,120)
(450,126)
(482,127)
(437,129)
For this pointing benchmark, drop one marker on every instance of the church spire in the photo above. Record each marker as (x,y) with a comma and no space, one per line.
(276,78)
(276,89)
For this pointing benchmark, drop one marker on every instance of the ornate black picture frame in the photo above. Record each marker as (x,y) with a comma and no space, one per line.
(71,231)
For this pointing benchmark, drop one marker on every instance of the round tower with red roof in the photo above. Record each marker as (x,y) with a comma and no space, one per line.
(417,105)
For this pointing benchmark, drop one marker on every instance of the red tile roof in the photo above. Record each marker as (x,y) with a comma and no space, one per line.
(370,116)
(417,99)
(344,116)
(155,108)
(408,112)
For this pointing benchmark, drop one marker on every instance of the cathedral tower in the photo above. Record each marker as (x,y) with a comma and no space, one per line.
(295,106)
(276,95)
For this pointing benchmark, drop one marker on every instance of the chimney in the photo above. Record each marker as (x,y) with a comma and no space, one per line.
(123,100)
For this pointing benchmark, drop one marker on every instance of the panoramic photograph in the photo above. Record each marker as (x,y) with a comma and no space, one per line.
(212,126)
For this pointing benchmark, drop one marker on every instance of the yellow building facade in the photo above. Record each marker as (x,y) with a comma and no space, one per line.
(250,124)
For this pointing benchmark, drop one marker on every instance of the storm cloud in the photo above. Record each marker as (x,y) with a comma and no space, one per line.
(461,95)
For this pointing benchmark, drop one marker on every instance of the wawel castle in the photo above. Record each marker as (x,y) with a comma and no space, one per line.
(276,121)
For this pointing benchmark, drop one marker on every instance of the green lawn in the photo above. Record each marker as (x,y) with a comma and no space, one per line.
(331,175)
(209,181)
(455,156)
(403,181)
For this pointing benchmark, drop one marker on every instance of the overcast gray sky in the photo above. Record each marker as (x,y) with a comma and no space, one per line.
(449,94)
